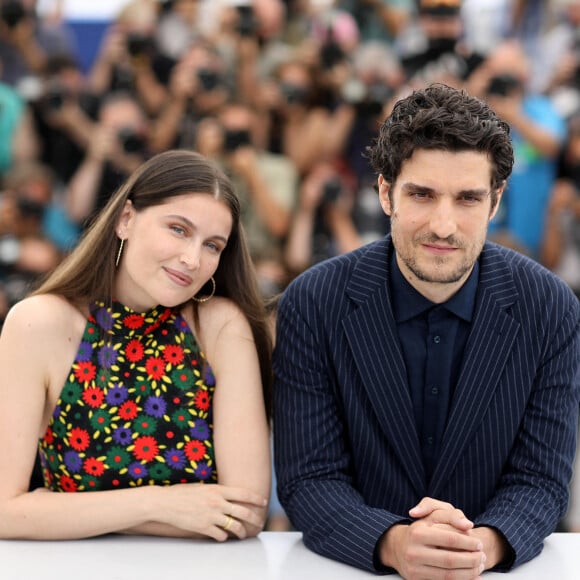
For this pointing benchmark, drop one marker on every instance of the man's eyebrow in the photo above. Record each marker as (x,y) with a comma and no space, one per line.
(416,188)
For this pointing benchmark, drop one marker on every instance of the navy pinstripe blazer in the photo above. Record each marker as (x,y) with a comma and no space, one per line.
(346,450)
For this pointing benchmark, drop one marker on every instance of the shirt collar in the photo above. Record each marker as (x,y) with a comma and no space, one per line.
(408,302)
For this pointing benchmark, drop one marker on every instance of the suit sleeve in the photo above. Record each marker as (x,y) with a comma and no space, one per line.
(532,494)
(315,483)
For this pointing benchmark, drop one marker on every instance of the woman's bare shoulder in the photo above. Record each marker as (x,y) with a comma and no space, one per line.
(216,316)
(42,315)
(220,312)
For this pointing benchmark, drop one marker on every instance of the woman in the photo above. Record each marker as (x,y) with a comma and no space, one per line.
(142,364)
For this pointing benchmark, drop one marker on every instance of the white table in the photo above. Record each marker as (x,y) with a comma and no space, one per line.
(271,556)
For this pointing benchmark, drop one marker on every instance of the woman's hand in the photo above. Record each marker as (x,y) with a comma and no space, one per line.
(211,510)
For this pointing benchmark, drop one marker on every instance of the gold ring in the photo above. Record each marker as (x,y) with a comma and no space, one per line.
(229,522)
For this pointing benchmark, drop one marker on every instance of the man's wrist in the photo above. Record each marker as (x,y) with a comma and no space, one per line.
(497,549)
(388,545)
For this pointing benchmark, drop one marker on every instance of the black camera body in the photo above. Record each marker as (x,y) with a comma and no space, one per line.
(247,24)
(12,12)
(293,93)
(131,141)
(209,79)
(503,85)
(139,44)
(331,191)
(234,139)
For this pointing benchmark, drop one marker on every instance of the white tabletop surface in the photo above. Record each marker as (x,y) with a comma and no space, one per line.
(271,556)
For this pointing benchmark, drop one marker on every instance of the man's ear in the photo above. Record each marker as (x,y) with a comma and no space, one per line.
(498,196)
(384,199)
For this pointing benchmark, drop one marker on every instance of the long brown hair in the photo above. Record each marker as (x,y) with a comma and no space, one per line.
(88,273)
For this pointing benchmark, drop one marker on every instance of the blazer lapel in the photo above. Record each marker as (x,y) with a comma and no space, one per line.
(373,338)
(488,348)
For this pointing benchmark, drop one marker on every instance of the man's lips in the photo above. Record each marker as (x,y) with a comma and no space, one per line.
(437,249)
(178,277)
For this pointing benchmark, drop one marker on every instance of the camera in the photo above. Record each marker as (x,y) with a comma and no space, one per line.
(293,93)
(209,79)
(12,12)
(139,44)
(247,24)
(29,208)
(377,94)
(331,190)
(234,139)
(503,85)
(55,97)
(331,54)
(131,141)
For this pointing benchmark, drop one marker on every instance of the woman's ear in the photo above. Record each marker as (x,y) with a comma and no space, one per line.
(125,219)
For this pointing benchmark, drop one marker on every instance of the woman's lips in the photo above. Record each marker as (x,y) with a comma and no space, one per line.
(178,277)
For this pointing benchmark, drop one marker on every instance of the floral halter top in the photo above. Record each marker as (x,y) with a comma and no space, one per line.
(136,408)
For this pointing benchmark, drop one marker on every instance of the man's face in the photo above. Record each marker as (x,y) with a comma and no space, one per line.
(440,208)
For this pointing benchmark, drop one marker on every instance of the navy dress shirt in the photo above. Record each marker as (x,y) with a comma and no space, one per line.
(433,338)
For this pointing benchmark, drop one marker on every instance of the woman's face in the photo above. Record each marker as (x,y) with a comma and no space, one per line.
(171,250)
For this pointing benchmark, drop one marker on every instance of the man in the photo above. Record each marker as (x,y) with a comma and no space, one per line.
(427,392)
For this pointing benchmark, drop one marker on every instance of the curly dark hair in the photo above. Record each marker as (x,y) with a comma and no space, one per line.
(445,118)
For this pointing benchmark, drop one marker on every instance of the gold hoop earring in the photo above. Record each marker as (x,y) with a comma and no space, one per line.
(119,252)
(209,296)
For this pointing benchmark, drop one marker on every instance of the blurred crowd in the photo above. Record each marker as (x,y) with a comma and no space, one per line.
(285,95)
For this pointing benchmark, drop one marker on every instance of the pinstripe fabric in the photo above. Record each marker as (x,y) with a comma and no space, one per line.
(346,450)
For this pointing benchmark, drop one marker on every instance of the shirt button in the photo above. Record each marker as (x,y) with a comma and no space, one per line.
(437,339)
(430,440)
(434,391)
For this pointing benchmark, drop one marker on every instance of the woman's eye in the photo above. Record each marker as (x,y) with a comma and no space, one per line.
(178,229)
(213,247)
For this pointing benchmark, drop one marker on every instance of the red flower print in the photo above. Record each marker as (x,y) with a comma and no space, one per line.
(133,321)
(195,450)
(49,436)
(93,396)
(146,448)
(128,410)
(79,439)
(201,400)
(68,483)
(93,466)
(134,350)
(155,367)
(173,354)
(85,372)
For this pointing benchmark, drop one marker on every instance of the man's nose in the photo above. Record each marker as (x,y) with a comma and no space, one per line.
(443,220)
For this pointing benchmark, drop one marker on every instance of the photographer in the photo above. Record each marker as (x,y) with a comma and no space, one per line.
(198,86)
(25,250)
(118,146)
(322,226)
(129,59)
(266,184)
(433,49)
(65,116)
(27,40)
(18,140)
(538,133)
